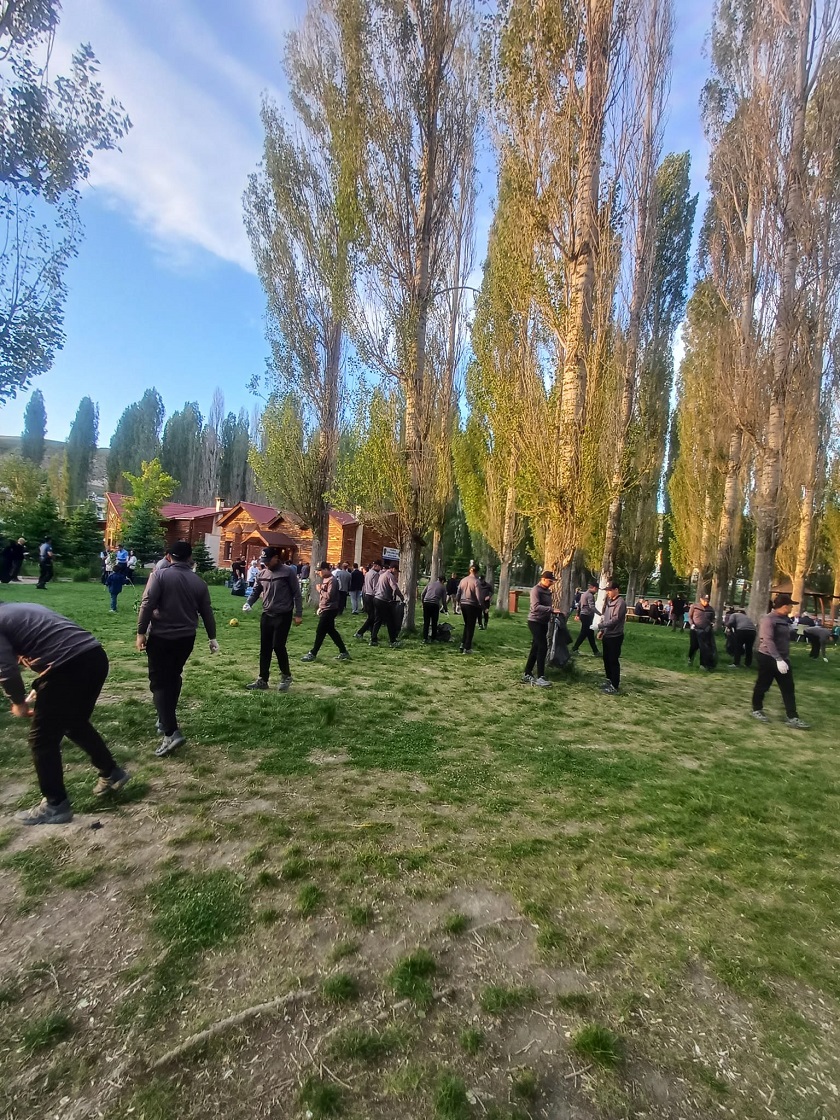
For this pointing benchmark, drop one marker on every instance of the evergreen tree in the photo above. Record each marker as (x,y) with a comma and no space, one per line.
(201,557)
(84,537)
(142,528)
(80,452)
(136,438)
(34,429)
(143,531)
(37,520)
(181,451)
(233,472)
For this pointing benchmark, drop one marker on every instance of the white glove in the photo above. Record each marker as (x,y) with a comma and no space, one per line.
(783,667)
(214,645)
(246,607)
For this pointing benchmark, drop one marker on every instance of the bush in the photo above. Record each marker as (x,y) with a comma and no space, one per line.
(80,575)
(218,577)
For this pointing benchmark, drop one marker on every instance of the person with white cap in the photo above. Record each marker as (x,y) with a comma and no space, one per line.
(539,617)
(774,661)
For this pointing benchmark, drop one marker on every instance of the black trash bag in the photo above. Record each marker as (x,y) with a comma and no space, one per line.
(559,640)
(708,648)
(444,632)
(239,587)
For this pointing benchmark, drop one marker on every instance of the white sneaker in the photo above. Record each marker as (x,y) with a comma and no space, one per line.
(541,682)
(171,743)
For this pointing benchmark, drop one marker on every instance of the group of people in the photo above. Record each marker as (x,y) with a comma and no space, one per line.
(13,555)
(72,665)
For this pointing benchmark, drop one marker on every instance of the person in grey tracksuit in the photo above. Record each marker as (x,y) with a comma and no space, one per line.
(586,614)
(388,603)
(470,599)
(611,633)
(774,661)
(434,599)
(329,600)
(369,598)
(701,618)
(818,637)
(742,631)
(539,617)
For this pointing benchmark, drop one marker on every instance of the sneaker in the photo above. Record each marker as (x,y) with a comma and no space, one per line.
(609,688)
(44,813)
(541,682)
(358,635)
(171,743)
(259,685)
(759,715)
(285,684)
(309,656)
(798,724)
(112,783)
(373,644)
(395,645)
(466,651)
(343,656)
(527,678)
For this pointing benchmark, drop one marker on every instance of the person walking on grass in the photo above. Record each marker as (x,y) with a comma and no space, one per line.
(369,598)
(72,668)
(452,591)
(586,616)
(486,598)
(357,583)
(611,634)
(388,605)
(434,599)
(742,633)
(115,582)
(328,604)
(279,588)
(341,575)
(45,564)
(174,599)
(701,618)
(470,600)
(539,617)
(774,662)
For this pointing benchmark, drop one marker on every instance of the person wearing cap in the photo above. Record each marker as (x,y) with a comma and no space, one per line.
(539,616)
(388,604)
(470,600)
(611,633)
(167,622)
(586,615)
(774,661)
(369,597)
(328,603)
(741,629)
(279,588)
(45,564)
(434,598)
(701,618)
(72,668)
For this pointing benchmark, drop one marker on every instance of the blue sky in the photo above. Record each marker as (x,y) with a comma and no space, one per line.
(163,292)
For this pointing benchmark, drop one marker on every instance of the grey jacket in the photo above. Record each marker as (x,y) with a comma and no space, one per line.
(540,604)
(701,618)
(774,636)
(328,595)
(470,592)
(371,580)
(735,620)
(435,593)
(280,591)
(587,604)
(612,620)
(342,578)
(34,636)
(172,602)
(387,587)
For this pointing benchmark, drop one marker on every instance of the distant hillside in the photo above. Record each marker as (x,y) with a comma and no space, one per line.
(53,447)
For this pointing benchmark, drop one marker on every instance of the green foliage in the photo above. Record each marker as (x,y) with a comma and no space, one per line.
(598,1044)
(84,537)
(46,1031)
(308,900)
(142,528)
(136,438)
(290,466)
(202,559)
(234,470)
(320,1099)
(51,125)
(151,488)
(198,910)
(359,1044)
(411,976)
(451,1098)
(342,987)
(80,452)
(181,452)
(143,532)
(34,429)
(496,999)
(472,1040)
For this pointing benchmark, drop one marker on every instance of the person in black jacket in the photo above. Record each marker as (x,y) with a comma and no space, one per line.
(357,582)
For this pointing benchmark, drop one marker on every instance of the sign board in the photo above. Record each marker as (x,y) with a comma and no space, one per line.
(390,554)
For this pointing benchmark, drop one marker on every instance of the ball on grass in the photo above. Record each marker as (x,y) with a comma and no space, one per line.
(234,622)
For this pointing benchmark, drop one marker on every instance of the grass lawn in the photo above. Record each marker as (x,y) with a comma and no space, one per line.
(447,895)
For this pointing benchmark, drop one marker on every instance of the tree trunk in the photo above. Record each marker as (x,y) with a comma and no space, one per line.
(409,573)
(434,563)
(835,602)
(726,529)
(632,593)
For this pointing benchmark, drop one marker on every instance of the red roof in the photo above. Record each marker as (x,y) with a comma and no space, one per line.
(274,540)
(261,515)
(343,518)
(170,511)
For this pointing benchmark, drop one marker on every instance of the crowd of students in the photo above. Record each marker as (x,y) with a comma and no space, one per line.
(72,665)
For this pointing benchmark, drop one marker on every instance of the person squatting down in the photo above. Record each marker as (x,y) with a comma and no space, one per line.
(174,599)
(72,668)
(279,588)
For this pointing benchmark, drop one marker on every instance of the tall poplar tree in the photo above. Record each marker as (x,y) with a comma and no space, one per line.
(136,438)
(34,429)
(180,452)
(80,452)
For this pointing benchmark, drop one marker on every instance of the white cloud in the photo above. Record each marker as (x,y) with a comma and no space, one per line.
(196,133)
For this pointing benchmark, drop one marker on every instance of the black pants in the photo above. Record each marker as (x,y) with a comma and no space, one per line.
(388,615)
(743,640)
(611,648)
(66,699)
(693,644)
(586,634)
(326,625)
(483,617)
(167,658)
(274,630)
(470,614)
(767,673)
(46,573)
(539,648)
(370,610)
(817,647)
(342,601)
(431,614)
